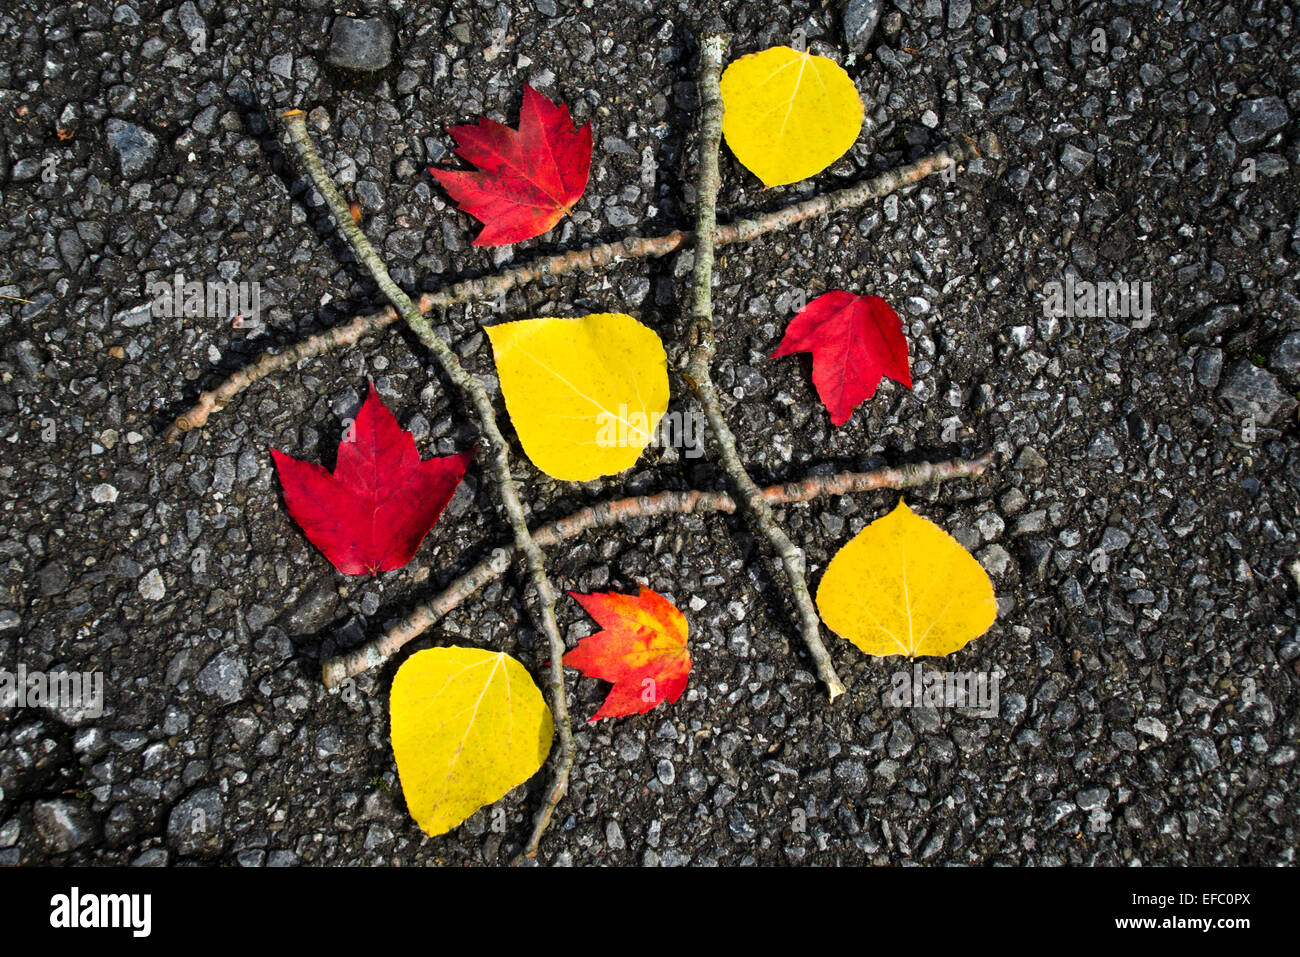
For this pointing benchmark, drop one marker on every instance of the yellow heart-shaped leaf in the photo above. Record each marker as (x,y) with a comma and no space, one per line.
(904,586)
(585,395)
(788,115)
(468,726)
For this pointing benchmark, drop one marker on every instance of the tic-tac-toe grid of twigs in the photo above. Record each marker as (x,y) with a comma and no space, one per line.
(755,502)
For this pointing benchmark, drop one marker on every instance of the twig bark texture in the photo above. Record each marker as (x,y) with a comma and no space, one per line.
(606,514)
(578,260)
(701,340)
(296,125)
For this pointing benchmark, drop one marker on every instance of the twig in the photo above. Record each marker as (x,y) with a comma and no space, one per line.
(379,649)
(336,337)
(589,258)
(296,125)
(701,341)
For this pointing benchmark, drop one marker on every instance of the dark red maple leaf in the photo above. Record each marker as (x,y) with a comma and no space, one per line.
(528,179)
(642,650)
(854,341)
(371,514)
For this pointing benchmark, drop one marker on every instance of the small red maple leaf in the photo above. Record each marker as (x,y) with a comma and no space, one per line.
(642,651)
(528,179)
(854,341)
(371,514)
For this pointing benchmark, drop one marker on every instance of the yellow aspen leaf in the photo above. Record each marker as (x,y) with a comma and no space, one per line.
(468,726)
(904,586)
(585,395)
(788,115)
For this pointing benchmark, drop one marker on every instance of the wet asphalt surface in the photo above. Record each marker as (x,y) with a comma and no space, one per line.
(1140,524)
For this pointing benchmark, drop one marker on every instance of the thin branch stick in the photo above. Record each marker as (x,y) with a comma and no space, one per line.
(296,125)
(336,337)
(587,259)
(375,652)
(701,341)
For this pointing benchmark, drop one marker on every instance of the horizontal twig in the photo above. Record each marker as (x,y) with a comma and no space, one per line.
(579,260)
(375,652)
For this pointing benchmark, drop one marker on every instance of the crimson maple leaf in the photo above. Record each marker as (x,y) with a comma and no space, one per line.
(528,178)
(854,341)
(371,514)
(642,651)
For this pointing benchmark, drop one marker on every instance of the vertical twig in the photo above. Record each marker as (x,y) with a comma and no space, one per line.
(701,342)
(296,124)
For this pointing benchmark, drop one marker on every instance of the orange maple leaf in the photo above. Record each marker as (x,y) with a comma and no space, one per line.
(642,651)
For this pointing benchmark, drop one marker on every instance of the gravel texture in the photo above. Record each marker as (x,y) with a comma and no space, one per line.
(1141,525)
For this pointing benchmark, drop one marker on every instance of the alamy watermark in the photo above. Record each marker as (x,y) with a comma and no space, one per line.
(240,302)
(975,691)
(80,691)
(75,910)
(1099,300)
(679,430)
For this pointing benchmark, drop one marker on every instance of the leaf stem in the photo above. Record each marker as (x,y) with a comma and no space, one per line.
(296,126)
